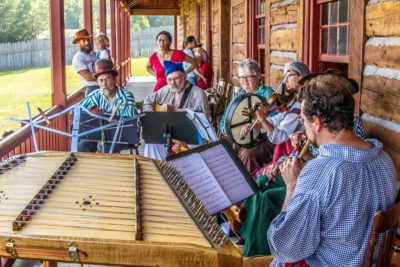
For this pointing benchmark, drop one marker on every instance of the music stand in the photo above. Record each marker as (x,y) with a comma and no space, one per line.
(162,127)
(128,133)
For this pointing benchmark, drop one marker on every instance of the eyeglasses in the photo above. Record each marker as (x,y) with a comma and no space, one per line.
(288,77)
(246,78)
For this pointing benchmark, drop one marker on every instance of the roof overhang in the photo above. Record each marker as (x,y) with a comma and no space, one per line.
(152,7)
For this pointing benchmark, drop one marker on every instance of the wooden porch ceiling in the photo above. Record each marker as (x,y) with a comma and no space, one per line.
(152,7)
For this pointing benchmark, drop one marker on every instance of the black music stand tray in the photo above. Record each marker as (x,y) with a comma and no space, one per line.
(162,127)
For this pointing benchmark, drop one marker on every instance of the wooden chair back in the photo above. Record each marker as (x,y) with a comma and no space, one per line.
(228,94)
(236,90)
(385,223)
(215,77)
(221,87)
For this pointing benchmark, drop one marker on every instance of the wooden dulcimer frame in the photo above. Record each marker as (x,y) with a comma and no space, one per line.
(106,209)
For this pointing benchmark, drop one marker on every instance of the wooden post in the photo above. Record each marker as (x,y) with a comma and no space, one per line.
(209,28)
(128,46)
(103,14)
(123,44)
(176,32)
(357,46)
(267,59)
(57,54)
(118,40)
(113,37)
(88,15)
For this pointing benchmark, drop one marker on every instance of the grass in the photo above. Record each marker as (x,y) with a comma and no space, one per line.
(138,66)
(34,85)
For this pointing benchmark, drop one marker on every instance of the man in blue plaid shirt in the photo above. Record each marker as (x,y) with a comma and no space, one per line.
(326,218)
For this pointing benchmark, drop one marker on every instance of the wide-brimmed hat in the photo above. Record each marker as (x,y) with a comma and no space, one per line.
(105,66)
(81,34)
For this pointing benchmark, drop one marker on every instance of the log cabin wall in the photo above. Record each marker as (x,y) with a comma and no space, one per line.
(380,95)
(284,37)
(193,21)
(239,36)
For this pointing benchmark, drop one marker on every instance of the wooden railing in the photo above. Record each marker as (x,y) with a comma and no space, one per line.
(21,141)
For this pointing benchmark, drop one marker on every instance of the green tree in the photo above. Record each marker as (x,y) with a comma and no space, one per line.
(157,21)
(72,14)
(139,23)
(22,20)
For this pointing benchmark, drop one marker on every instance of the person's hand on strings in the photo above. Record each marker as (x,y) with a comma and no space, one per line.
(245,130)
(260,109)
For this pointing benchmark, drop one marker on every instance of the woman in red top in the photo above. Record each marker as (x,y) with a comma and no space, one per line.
(155,63)
(205,68)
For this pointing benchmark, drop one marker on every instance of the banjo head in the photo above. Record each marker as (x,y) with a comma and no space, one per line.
(235,121)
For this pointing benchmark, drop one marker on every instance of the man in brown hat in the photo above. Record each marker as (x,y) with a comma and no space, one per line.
(84,60)
(107,99)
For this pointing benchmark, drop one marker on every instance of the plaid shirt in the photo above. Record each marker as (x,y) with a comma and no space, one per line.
(99,100)
(328,219)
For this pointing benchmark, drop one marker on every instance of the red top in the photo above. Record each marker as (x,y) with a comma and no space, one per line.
(177,56)
(207,71)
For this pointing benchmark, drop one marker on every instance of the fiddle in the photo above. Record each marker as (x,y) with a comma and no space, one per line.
(274,103)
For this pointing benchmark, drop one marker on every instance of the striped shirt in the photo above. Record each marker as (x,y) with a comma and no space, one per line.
(328,219)
(99,100)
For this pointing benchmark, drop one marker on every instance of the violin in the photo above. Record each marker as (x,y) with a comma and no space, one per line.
(276,102)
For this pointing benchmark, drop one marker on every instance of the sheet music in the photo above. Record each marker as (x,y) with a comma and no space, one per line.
(229,176)
(202,125)
(201,180)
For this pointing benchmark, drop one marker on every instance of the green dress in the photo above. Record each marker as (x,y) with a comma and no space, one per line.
(261,209)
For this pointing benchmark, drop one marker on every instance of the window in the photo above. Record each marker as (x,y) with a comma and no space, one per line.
(257,32)
(334,31)
(327,27)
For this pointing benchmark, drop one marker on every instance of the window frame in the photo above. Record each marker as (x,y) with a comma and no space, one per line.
(329,57)
(254,46)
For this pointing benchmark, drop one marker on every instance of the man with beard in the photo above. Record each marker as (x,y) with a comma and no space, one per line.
(83,61)
(177,94)
(107,99)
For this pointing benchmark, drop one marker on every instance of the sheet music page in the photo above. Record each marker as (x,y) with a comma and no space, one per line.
(228,174)
(203,183)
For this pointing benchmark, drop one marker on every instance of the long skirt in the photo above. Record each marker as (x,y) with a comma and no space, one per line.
(261,209)
(256,157)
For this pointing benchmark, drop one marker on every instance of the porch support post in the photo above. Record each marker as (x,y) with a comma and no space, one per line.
(102,13)
(88,15)
(57,58)
(176,32)
(123,38)
(118,41)
(357,10)
(113,38)
(128,19)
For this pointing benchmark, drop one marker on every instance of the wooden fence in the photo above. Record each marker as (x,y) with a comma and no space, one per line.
(36,53)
